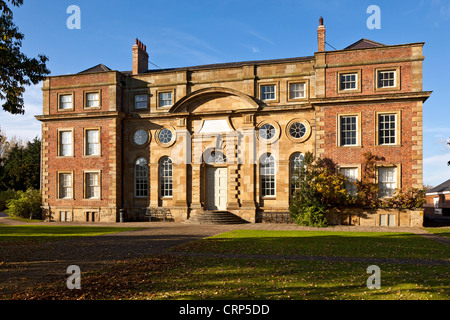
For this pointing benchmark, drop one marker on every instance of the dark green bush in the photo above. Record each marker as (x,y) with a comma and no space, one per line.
(27,204)
(5,196)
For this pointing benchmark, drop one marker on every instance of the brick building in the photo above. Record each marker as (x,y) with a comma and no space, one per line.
(438,201)
(226,136)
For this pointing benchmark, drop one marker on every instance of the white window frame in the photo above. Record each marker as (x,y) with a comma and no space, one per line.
(343,132)
(92,187)
(141,178)
(140,104)
(295,163)
(65,216)
(165,177)
(165,102)
(352,174)
(268,181)
(65,145)
(65,186)
(92,103)
(295,92)
(61,103)
(268,95)
(381,82)
(387,187)
(343,81)
(381,131)
(95,150)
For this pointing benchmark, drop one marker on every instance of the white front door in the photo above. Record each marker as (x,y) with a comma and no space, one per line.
(216,188)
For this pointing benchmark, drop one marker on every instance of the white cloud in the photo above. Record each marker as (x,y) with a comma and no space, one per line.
(24,126)
(254,49)
(185,45)
(435,169)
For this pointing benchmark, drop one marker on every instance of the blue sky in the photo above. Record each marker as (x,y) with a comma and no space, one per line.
(195,32)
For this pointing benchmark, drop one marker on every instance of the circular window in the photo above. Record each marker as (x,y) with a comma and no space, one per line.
(165,136)
(140,137)
(297,130)
(267,131)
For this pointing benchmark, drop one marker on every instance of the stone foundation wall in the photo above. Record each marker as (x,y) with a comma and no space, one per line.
(375,217)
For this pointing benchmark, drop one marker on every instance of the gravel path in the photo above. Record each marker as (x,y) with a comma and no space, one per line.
(23,266)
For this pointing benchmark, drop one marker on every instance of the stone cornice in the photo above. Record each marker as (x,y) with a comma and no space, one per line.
(80,116)
(402,96)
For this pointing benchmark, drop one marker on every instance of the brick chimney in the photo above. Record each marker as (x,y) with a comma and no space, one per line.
(321,35)
(140,57)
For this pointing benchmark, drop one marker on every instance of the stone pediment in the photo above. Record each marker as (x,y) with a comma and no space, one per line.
(212,100)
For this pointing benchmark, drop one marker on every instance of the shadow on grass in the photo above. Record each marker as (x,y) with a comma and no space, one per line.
(169,277)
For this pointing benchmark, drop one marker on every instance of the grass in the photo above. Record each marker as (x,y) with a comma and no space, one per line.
(18,234)
(188,278)
(172,277)
(321,243)
(444,231)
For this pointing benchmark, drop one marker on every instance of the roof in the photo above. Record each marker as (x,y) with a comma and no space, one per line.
(445,186)
(98,68)
(363,44)
(234,64)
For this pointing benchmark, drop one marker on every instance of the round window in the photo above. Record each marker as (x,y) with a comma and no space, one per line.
(297,130)
(267,131)
(140,137)
(165,136)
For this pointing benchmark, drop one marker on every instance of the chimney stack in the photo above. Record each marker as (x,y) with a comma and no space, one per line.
(321,36)
(140,57)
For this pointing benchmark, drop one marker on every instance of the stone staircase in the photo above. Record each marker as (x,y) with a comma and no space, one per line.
(215,217)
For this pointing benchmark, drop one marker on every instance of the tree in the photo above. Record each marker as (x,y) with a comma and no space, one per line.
(320,186)
(4,146)
(448,143)
(16,69)
(21,168)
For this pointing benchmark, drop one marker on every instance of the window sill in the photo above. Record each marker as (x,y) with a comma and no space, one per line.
(351,146)
(388,145)
(92,156)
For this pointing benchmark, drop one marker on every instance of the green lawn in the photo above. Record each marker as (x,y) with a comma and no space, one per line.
(34,233)
(322,243)
(164,277)
(444,231)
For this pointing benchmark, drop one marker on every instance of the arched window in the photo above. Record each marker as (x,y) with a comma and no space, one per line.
(216,157)
(165,177)
(267,173)
(140,178)
(295,163)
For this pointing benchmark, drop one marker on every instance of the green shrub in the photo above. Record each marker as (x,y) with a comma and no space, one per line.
(5,196)
(309,214)
(413,198)
(26,204)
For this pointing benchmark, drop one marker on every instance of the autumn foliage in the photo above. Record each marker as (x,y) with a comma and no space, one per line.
(320,186)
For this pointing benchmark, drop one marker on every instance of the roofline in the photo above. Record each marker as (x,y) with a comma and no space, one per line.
(236,64)
(374,48)
(241,63)
(81,74)
(437,193)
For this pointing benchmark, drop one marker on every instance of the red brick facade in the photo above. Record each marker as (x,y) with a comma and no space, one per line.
(232,98)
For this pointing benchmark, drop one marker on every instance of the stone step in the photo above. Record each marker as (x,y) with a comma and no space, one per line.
(215,217)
